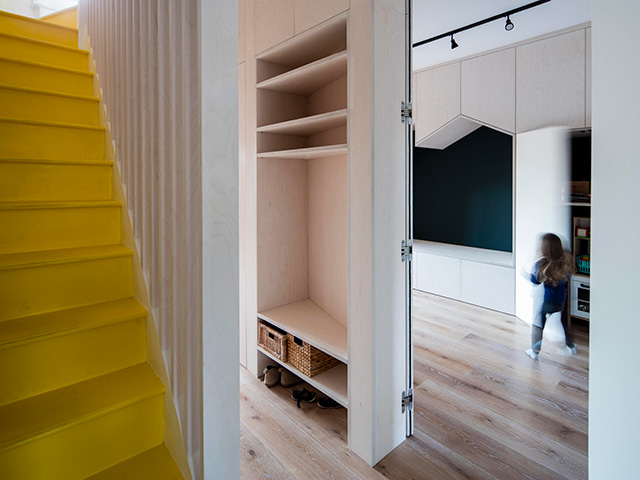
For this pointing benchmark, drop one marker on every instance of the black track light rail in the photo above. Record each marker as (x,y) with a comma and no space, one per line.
(481,22)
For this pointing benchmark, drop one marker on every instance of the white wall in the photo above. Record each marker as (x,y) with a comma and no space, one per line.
(615,327)
(37,8)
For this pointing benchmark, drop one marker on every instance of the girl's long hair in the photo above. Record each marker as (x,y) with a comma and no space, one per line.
(556,264)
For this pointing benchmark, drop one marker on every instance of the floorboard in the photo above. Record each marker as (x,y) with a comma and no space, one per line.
(483,409)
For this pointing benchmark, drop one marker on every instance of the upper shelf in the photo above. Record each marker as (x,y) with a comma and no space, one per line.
(308,125)
(318,42)
(309,78)
(308,152)
(309,322)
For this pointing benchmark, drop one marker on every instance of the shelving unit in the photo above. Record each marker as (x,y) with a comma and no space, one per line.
(302,203)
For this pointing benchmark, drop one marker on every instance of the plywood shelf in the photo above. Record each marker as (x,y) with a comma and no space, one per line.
(309,78)
(306,126)
(309,322)
(307,153)
(332,383)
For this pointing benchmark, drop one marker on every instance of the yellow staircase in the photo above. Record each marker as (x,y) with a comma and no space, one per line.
(77,397)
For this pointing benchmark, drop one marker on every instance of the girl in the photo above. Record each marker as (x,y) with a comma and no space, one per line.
(552,270)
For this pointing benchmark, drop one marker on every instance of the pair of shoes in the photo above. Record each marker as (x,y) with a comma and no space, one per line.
(573,349)
(303,395)
(271,375)
(532,354)
(326,402)
(274,375)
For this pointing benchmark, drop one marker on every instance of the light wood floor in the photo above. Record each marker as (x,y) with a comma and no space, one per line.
(484,409)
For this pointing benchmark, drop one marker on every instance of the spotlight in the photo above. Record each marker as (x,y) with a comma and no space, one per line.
(453,43)
(509,25)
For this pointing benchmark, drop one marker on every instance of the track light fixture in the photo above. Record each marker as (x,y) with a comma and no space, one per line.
(509,25)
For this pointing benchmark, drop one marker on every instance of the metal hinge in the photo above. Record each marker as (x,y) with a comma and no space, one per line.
(406,250)
(407,400)
(405,112)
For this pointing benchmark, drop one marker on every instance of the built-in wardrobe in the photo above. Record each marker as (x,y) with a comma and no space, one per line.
(322,201)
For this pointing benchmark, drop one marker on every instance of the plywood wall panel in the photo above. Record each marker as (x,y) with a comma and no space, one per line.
(283,234)
(328,235)
(273,23)
(309,13)
(148,60)
(588,78)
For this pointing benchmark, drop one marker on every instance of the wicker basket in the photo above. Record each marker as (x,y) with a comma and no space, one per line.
(308,359)
(273,340)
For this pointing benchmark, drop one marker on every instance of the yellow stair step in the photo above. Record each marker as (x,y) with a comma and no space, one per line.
(38,282)
(23,48)
(53,140)
(54,180)
(40,105)
(46,225)
(82,429)
(26,74)
(154,464)
(51,350)
(37,29)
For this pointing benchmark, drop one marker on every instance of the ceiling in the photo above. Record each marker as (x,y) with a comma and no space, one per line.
(433,17)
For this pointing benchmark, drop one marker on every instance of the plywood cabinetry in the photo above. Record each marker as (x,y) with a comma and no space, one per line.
(273,21)
(488,89)
(323,200)
(312,12)
(438,99)
(550,79)
(302,192)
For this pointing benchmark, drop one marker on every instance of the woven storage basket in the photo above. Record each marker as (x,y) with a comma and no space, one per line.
(273,340)
(307,358)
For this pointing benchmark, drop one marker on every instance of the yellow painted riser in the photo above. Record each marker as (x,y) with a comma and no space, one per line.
(42,78)
(87,448)
(18,140)
(37,367)
(54,182)
(27,105)
(28,291)
(23,49)
(66,18)
(38,30)
(27,230)
(155,464)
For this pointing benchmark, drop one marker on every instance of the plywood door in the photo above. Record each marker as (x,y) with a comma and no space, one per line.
(542,167)
(489,89)
(550,82)
(438,98)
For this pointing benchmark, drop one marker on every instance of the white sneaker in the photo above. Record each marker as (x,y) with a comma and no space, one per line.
(572,350)
(532,354)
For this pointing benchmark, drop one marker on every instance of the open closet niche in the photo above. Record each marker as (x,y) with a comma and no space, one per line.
(302,202)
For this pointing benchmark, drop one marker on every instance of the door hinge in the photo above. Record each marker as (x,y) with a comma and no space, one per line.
(406,250)
(407,400)
(405,112)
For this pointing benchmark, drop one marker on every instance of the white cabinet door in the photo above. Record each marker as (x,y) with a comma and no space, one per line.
(542,167)
(490,286)
(437,274)
(550,82)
